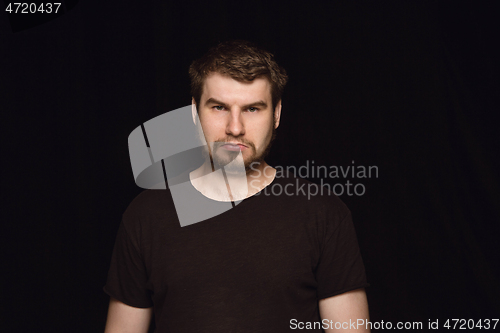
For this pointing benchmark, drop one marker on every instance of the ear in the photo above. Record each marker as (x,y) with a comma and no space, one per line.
(277,114)
(193,110)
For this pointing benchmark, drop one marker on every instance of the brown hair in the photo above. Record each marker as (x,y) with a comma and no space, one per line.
(241,60)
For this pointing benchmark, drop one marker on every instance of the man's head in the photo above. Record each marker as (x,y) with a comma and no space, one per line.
(237,89)
(241,60)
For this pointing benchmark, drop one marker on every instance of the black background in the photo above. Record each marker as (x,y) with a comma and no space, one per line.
(410,87)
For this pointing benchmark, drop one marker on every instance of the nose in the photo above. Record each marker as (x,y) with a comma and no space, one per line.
(235,126)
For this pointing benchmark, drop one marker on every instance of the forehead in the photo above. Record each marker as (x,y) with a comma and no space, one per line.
(225,88)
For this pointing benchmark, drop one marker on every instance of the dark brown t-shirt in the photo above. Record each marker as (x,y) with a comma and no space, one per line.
(259,267)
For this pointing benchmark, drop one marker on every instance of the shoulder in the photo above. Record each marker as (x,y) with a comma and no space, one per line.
(147,200)
(317,197)
(152,200)
(313,206)
(147,207)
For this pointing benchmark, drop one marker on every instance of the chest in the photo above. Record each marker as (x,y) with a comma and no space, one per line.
(233,259)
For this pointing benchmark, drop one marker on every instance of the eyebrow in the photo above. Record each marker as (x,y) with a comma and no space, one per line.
(260,103)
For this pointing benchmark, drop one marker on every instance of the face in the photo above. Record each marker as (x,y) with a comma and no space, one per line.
(237,116)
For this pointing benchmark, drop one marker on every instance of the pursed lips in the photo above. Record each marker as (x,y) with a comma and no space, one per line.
(234,146)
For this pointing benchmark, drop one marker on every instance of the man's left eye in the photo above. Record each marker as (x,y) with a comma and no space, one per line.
(252,110)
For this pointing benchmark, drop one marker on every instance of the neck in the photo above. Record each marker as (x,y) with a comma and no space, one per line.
(227,186)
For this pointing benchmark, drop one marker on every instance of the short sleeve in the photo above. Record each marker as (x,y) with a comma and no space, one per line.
(127,276)
(340,268)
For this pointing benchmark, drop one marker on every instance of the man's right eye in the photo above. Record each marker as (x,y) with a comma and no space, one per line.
(219,108)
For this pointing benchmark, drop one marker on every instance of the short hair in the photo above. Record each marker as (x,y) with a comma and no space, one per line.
(241,60)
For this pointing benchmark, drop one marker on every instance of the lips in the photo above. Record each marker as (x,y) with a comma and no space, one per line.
(234,146)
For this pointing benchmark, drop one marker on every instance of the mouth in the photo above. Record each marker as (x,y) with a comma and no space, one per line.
(234,146)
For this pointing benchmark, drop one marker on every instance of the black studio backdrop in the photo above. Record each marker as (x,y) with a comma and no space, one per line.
(409,87)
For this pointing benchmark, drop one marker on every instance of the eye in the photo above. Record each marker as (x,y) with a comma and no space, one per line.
(218,107)
(253,110)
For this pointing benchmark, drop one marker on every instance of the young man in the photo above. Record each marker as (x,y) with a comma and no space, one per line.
(273,263)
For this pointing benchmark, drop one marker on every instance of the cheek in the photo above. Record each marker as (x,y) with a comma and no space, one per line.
(209,130)
(264,136)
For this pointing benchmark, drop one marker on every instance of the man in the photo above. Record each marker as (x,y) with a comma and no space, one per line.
(273,263)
